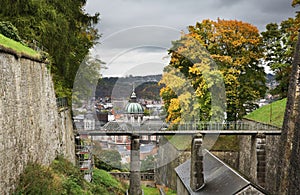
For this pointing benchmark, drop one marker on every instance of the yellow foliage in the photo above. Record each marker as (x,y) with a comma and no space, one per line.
(295,2)
(223,59)
(174,105)
(211,54)
(174,111)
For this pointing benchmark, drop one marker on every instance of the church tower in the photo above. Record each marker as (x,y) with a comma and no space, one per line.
(134,111)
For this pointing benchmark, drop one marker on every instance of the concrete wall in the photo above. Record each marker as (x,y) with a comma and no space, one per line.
(147,179)
(181,189)
(31,129)
(229,157)
(272,146)
(168,158)
(247,157)
(248,163)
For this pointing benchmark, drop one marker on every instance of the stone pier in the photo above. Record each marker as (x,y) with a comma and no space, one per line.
(197,176)
(135,175)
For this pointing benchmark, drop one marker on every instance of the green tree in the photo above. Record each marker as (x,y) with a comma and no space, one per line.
(61,28)
(236,47)
(295,2)
(9,30)
(280,41)
(108,160)
(86,79)
(148,163)
(278,44)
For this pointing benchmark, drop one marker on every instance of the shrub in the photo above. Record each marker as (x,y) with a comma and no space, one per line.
(10,31)
(63,178)
(62,166)
(71,187)
(108,160)
(109,183)
(37,179)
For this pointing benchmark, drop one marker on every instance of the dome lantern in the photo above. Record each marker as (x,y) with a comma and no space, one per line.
(133,110)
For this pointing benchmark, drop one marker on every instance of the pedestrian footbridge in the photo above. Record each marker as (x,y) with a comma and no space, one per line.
(160,128)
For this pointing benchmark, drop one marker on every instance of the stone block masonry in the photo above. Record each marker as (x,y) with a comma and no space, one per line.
(31,129)
(168,158)
(288,176)
(258,160)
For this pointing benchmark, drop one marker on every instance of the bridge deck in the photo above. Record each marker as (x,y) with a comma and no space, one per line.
(179,132)
(159,128)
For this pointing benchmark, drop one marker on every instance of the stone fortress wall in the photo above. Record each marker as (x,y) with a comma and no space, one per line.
(168,158)
(257,160)
(31,128)
(260,167)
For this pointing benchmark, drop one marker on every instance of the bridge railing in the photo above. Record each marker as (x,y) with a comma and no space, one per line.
(145,176)
(194,126)
(226,126)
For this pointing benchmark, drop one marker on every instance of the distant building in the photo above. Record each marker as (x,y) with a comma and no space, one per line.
(89,121)
(134,111)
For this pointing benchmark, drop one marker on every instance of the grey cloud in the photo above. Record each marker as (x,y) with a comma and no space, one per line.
(121,20)
(138,36)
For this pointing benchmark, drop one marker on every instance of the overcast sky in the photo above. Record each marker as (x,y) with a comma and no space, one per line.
(137,33)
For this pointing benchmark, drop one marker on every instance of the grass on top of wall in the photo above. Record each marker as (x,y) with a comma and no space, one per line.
(270,114)
(221,142)
(180,142)
(155,191)
(19,48)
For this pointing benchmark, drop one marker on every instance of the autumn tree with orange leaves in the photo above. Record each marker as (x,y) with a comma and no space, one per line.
(230,53)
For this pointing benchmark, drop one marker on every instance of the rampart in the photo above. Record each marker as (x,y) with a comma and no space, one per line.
(32,129)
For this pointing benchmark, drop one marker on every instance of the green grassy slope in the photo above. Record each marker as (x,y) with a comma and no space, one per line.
(62,177)
(275,111)
(271,114)
(155,191)
(17,47)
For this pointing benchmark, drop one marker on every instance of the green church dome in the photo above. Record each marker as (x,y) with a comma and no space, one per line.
(133,107)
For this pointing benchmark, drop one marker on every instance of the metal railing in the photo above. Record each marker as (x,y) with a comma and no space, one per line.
(62,103)
(218,126)
(126,176)
(221,126)
(37,46)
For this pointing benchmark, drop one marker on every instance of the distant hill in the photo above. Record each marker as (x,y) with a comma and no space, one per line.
(265,115)
(146,87)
